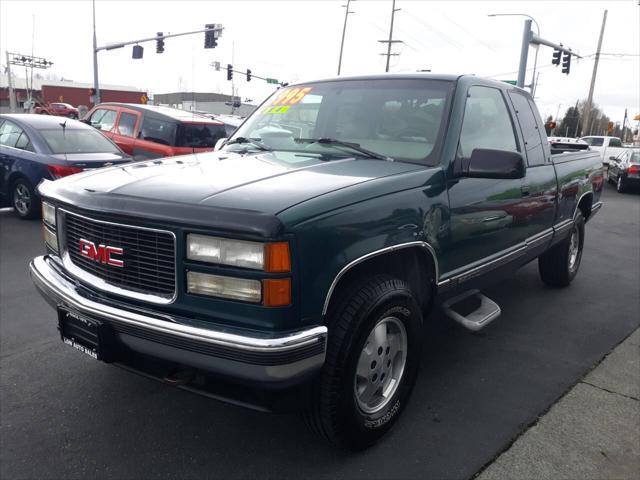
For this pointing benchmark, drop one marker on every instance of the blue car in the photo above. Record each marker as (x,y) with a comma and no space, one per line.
(34,147)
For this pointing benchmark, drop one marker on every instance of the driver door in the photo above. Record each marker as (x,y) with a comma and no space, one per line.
(486,217)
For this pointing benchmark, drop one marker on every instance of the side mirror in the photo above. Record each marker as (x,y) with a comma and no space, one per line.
(613,158)
(489,163)
(219,144)
(84,120)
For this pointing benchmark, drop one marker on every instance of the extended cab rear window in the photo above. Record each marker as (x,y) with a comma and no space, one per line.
(199,135)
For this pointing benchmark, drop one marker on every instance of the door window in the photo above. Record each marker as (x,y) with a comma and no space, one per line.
(159,131)
(615,142)
(127,124)
(103,119)
(9,134)
(23,143)
(530,129)
(486,123)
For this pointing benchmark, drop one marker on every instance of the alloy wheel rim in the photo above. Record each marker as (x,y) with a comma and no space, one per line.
(574,248)
(381,365)
(21,199)
(619,183)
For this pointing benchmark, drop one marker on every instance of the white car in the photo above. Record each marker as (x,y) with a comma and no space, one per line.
(607,146)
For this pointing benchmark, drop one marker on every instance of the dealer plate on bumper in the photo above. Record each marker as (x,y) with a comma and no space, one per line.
(84,334)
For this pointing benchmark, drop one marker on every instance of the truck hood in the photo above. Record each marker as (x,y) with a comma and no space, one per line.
(264,183)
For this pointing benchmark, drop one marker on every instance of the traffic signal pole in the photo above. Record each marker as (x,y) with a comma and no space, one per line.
(528,38)
(524,52)
(112,46)
(96,84)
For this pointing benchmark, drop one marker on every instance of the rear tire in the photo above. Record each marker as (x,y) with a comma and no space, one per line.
(24,200)
(367,378)
(620,186)
(559,265)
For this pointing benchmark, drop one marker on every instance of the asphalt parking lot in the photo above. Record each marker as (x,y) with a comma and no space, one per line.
(63,415)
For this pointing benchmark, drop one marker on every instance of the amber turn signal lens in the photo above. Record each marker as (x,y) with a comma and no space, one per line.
(277,292)
(277,257)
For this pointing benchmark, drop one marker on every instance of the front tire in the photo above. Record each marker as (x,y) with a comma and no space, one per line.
(559,265)
(373,355)
(24,199)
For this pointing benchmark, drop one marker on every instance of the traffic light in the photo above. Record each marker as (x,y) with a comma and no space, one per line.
(551,125)
(160,43)
(556,57)
(566,63)
(210,40)
(248,75)
(138,51)
(229,71)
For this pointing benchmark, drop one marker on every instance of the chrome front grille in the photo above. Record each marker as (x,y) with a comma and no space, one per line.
(148,257)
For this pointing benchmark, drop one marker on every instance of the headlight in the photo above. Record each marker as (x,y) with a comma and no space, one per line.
(49,214)
(50,238)
(224,287)
(270,257)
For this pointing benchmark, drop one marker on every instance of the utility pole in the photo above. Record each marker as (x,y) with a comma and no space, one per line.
(96,85)
(12,93)
(391,40)
(587,107)
(344,31)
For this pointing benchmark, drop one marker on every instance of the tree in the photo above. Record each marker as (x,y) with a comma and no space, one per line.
(571,123)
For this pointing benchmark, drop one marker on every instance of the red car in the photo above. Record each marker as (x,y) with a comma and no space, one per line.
(59,109)
(149,131)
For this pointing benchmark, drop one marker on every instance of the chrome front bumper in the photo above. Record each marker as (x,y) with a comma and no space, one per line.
(272,360)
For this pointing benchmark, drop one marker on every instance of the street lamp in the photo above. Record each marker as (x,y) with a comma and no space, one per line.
(535,61)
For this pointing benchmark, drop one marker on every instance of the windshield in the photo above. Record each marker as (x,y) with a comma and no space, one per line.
(199,135)
(401,118)
(76,140)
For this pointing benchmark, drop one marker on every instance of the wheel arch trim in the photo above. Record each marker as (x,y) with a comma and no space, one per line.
(376,253)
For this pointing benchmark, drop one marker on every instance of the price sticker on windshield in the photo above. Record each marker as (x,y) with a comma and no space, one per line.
(291,96)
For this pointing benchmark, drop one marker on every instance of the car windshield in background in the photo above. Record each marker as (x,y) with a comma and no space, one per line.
(76,140)
(199,135)
(401,119)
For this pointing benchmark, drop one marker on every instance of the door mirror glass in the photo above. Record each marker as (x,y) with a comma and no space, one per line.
(490,163)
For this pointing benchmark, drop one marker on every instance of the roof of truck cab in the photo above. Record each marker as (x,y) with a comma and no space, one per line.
(414,76)
(172,113)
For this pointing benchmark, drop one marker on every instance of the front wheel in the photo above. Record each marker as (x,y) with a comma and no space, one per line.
(375,340)
(559,265)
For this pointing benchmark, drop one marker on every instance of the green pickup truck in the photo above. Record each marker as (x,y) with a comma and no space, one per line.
(294,267)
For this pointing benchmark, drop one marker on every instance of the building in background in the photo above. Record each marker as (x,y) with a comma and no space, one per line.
(214,103)
(65,91)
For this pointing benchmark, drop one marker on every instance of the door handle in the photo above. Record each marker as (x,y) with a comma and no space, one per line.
(524,189)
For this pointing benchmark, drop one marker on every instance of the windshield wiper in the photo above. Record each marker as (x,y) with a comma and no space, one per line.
(353,146)
(250,141)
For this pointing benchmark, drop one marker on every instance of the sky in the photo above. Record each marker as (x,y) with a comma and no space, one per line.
(300,40)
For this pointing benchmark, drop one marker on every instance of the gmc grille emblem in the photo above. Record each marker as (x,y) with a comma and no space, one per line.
(101,253)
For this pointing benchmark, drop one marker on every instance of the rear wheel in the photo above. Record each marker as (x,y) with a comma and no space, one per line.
(559,265)
(25,202)
(373,354)
(620,186)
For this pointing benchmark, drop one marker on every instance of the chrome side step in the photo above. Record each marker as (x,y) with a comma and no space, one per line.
(472,310)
